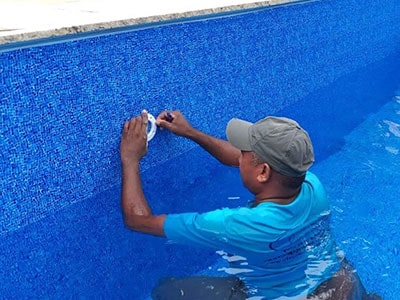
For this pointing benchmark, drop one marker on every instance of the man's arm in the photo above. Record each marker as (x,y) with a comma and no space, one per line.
(136,212)
(220,149)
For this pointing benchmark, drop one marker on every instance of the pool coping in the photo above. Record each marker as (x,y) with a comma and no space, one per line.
(25,39)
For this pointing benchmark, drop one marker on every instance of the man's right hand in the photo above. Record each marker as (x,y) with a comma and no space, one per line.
(220,149)
(175,122)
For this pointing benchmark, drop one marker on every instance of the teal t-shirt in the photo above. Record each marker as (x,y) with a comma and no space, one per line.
(279,251)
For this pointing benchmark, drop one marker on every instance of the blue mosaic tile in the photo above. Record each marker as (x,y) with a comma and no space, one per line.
(62,107)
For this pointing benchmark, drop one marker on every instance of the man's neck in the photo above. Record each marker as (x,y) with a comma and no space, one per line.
(278,198)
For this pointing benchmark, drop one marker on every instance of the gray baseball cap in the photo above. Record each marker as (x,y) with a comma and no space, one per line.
(280,142)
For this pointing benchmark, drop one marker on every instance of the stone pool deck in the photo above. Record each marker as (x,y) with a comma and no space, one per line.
(29,20)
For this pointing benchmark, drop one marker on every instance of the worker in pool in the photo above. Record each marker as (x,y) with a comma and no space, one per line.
(279,245)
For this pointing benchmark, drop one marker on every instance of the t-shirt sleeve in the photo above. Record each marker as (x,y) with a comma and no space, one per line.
(206,229)
(233,230)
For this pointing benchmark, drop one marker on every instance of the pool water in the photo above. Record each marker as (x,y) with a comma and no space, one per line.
(362,182)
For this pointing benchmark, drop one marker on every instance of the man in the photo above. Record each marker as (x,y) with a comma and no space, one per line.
(280,245)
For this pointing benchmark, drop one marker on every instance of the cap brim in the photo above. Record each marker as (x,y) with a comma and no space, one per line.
(237,132)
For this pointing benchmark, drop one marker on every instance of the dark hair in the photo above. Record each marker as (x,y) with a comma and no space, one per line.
(286,181)
(256,160)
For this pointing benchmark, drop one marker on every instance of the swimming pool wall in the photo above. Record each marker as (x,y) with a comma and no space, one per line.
(62,107)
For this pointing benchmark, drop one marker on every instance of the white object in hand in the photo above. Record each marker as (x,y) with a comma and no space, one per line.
(151,127)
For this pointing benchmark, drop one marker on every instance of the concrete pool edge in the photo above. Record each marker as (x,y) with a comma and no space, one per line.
(16,38)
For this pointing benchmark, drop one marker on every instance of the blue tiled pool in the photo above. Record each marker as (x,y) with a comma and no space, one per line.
(333,65)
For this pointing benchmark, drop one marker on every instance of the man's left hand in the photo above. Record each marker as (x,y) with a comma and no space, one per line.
(134,139)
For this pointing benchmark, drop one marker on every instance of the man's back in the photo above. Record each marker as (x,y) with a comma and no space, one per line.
(276,249)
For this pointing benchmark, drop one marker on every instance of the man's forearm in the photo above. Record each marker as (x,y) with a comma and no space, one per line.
(136,212)
(220,149)
(133,201)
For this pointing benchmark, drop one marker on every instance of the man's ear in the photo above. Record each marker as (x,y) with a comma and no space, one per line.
(265,173)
